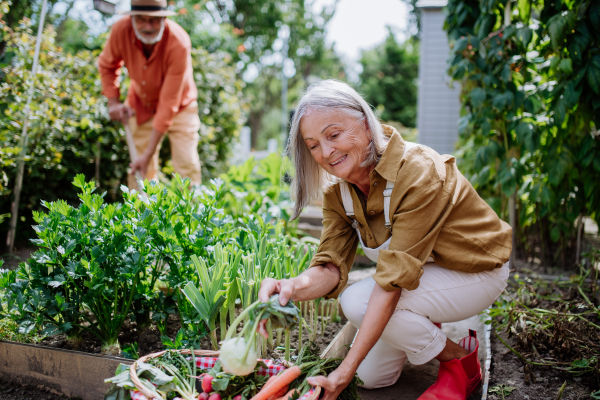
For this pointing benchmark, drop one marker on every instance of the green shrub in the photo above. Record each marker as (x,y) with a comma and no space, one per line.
(530,91)
(70,132)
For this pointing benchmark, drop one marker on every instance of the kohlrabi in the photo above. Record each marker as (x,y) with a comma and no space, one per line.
(238,354)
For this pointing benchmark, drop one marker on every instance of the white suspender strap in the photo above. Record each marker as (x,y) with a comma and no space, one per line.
(347,199)
(387,193)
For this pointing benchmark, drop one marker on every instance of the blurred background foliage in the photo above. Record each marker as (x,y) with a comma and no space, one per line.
(388,80)
(530,79)
(70,131)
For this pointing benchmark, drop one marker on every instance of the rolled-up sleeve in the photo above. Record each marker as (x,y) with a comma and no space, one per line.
(338,241)
(109,66)
(416,225)
(172,88)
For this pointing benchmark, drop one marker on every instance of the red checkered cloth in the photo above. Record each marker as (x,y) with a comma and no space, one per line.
(209,362)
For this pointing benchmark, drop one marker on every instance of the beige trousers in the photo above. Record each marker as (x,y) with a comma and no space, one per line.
(183,136)
(442,296)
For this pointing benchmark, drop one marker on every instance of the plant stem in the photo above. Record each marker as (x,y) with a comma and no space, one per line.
(288,334)
(239,319)
(560,392)
(519,354)
(223,322)
(270,331)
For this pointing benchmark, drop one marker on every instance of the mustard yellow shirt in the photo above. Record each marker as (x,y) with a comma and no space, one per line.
(436,212)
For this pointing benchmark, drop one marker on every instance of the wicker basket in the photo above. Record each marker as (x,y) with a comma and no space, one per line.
(202,353)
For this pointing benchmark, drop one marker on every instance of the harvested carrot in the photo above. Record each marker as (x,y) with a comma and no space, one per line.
(288,395)
(282,381)
(280,393)
(269,381)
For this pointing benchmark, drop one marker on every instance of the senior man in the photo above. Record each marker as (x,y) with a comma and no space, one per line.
(162,94)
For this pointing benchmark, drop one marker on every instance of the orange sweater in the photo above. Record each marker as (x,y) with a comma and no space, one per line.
(161,85)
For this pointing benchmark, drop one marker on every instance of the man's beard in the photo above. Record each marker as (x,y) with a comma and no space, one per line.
(153,40)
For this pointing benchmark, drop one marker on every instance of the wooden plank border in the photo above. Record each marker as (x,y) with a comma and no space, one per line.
(342,339)
(66,372)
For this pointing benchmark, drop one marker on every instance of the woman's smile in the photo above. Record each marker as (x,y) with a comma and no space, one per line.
(339,161)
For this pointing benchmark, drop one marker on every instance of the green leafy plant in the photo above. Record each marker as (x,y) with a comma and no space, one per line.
(502,390)
(529,75)
(70,131)
(92,257)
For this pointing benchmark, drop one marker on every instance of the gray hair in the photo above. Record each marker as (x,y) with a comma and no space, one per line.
(310,179)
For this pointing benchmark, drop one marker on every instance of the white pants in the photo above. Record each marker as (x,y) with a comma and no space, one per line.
(442,296)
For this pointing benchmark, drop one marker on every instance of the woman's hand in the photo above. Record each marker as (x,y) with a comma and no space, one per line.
(332,384)
(313,283)
(269,287)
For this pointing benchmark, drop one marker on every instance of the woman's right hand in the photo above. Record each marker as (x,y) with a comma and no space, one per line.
(269,287)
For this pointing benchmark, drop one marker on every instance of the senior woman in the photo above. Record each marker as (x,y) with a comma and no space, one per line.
(441,251)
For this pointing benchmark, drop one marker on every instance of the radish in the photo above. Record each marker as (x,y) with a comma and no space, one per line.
(238,397)
(215,396)
(207,383)
(203,396)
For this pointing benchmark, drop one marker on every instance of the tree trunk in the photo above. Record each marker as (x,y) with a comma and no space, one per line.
(579,234)
(512,212)
(254,120)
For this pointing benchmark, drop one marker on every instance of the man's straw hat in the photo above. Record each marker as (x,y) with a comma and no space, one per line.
(154,8)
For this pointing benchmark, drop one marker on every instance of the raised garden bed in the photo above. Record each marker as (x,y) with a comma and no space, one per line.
(51,373)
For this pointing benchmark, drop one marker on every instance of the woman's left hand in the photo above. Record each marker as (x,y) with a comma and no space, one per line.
(332,384)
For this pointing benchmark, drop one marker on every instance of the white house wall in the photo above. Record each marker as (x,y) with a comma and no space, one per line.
(438,105)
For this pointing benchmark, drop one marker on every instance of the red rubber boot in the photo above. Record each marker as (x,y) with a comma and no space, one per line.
(457,378)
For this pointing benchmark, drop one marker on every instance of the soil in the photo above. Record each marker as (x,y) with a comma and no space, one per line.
(13,391)
(559,340)
(530,383)
(148,340)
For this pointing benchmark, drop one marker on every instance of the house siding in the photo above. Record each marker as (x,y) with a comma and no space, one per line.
(438,105)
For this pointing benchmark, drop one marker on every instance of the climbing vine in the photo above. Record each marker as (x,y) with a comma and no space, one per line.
(530,78)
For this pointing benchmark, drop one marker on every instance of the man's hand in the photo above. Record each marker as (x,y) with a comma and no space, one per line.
(333,384)
(119,111)
(141,164)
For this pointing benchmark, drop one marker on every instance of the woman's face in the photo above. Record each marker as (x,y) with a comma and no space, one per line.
(337,141)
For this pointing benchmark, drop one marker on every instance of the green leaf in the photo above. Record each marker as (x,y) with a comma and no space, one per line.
(533,104)
(555,234)
(484,25)
(560,112)
(558,26)
(503,100)
(220,384)
(594,15)
(524,35)
(593,73)
(572,94)
(566,65)
(79,181)
(58,281)
(84,123)
(583,363)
